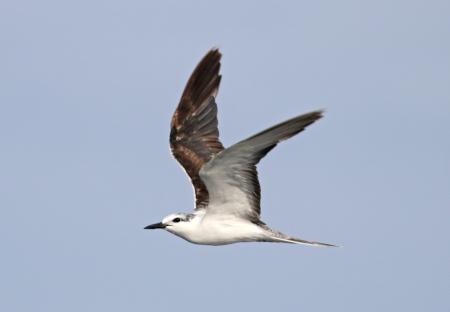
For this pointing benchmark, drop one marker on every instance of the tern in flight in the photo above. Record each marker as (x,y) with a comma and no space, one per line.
(225,180)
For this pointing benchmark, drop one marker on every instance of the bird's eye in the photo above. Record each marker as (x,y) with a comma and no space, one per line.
(176,220)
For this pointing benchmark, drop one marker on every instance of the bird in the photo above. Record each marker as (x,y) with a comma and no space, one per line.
(225,180)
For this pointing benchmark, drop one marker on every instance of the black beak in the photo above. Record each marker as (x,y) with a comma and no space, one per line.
(159,225)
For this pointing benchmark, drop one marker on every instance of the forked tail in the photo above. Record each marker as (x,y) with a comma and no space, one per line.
(276,236)
(293,240)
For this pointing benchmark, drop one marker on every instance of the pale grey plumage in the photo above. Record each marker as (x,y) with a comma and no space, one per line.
(235,167)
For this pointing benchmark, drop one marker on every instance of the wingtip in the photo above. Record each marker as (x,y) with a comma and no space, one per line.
(318,113)
(322,112)
(215,48)
(214,52)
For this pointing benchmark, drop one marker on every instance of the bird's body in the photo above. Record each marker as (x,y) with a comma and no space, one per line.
(216,229)
(225,181)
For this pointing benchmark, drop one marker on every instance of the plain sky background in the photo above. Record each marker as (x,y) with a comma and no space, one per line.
(87,89)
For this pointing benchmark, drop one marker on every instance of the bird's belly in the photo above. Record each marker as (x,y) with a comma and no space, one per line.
(225,232)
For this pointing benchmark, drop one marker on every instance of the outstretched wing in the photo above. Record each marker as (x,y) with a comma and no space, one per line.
(231,176)
(194,136)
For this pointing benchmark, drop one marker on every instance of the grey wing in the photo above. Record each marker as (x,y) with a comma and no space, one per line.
(231,176)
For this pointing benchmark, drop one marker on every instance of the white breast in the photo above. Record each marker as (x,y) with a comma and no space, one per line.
(222,229)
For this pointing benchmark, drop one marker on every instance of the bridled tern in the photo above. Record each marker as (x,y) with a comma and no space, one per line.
(225,180)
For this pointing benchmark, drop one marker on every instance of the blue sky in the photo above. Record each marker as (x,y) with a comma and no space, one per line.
(87,92)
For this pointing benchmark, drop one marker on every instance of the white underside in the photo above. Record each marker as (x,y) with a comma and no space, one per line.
(215,229)
(227,219)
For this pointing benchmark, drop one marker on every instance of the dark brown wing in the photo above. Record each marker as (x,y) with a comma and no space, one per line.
(194,137)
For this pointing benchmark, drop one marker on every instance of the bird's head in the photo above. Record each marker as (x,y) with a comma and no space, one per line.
(174,223)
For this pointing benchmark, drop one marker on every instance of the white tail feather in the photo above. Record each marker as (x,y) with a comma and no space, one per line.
(302,242)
